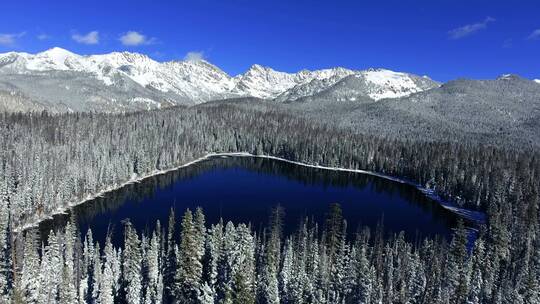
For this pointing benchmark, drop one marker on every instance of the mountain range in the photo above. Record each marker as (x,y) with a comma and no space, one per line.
(504,111)
(59,80)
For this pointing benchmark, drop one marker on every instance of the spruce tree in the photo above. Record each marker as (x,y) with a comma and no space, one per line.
(189,272)
(131,265)
(30,284)
(169,258)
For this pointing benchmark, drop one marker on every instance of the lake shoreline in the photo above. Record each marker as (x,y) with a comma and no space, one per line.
(471,215)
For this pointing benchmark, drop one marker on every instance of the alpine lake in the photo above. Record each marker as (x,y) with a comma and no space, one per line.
(245,189)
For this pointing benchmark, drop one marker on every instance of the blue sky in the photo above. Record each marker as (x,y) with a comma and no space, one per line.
(442,39)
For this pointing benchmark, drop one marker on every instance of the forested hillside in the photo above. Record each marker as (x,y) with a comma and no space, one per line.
(48,162)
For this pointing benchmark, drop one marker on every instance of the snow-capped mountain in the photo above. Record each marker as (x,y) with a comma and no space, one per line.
(122,81)
(537,80)
(264,82)
(197,80)
(390,84)
(361,86)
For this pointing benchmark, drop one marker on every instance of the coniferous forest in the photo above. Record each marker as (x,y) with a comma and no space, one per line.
(49,162)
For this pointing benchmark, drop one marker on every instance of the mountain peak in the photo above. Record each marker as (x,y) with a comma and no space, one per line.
(57,53)
(257,68)
(125,56)
(197,62)
(57,49)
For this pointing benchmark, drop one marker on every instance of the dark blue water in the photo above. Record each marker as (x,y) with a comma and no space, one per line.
(245,189)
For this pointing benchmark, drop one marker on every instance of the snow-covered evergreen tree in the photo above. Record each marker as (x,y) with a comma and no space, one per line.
(169,270)
(97,275)
(68,290)
(214,253)
(110,275)
(131,266)
(30,272)
(6,265)
(154,290)
(188,276)
(51,269)
(269,281)
(243,268)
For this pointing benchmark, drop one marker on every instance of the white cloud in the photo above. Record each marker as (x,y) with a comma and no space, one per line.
(535,34)
(10,39)
(133,38)
(469,29)
(90,38)
(194,56)
(43,37)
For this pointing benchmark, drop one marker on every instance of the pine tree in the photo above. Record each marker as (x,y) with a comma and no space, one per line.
(364,284)
(416,277)
(170,259)
(389,275)
(30,285)
(85,286)
(97,275)
(225,264)
(477,281)
(200,232)
(214,253)
(110,274)
(68,292)
(458,272)
(532,292)
(6,266)
(51,269)
(269,284)
(189,272)
(154,289)
(341,280)
(285,275)
(131,266)
(244,267)
(334,230)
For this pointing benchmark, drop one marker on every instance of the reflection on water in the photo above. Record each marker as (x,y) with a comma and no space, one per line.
(244,189)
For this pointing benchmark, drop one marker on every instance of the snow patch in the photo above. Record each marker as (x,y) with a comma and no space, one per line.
(505,76)
(53,59)
(389,84)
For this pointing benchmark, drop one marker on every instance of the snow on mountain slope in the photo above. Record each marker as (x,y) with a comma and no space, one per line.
(264,82)
(204,80)
(182,82)
(368,85)
(53,59)
(389,84)
(537,80)
(196,80)
(310,88)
